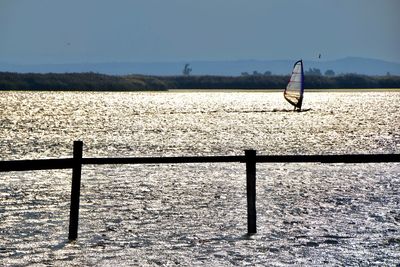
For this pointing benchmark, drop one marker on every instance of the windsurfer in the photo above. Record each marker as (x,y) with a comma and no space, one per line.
(297,107)
(294,90)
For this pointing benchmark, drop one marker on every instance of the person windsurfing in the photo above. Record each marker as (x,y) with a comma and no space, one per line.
(295,88)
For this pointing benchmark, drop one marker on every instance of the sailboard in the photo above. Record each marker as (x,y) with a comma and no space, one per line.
(295,89)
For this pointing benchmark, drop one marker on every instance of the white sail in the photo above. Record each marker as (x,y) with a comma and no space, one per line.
(295,89)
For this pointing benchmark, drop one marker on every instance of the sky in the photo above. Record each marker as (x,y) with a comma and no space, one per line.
(89,31)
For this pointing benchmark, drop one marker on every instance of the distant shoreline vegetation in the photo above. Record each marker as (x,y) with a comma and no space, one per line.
(101,82)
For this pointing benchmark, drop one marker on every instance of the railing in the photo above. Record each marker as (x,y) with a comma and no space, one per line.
(250,158)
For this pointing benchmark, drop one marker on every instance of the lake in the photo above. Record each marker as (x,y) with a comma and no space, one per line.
(195,214)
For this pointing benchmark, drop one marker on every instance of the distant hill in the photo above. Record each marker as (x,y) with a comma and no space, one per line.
(225,68)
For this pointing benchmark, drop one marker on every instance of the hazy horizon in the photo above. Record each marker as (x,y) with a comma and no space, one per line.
(95,31)
(317,60)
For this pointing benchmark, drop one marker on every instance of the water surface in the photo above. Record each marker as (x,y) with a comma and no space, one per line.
(195,214)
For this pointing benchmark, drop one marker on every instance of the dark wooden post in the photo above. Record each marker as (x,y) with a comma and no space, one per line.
(75,190)
(251,191)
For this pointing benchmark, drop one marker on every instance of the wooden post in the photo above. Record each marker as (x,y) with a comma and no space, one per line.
(75,190)
(251,191)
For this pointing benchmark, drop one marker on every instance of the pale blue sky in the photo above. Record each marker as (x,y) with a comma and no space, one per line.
(66,31)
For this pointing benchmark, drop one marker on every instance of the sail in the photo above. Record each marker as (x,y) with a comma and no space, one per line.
(294,90)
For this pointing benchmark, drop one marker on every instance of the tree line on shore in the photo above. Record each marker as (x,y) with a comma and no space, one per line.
(101,82)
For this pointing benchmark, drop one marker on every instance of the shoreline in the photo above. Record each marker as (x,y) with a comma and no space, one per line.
(337,90)
(101,82)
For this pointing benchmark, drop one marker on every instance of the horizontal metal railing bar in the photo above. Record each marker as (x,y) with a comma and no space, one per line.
(348,158)
(36,164)
(163,160)
(67,163)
